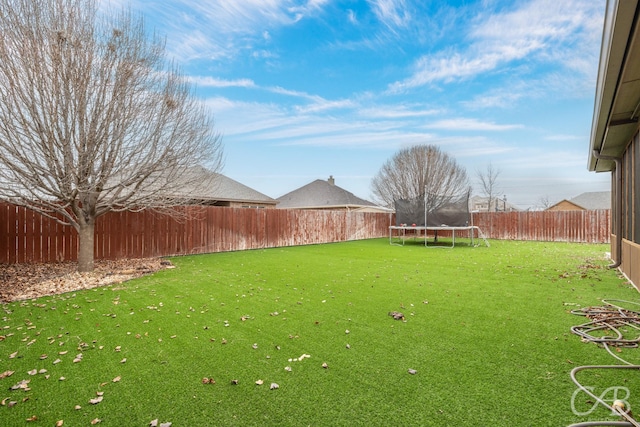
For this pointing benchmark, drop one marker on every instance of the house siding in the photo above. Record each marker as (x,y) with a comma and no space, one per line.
(565,205)
(630,212)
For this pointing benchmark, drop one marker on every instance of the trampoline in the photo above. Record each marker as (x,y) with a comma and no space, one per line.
(416,217)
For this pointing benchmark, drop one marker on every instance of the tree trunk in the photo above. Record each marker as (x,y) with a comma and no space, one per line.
(85,253)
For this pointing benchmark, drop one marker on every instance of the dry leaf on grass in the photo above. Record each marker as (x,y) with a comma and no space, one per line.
(26,281)
(24,385)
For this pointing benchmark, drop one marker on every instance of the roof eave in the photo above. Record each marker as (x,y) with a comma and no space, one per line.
(609,135)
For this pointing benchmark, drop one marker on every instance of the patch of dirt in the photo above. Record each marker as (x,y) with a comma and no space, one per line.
(26,281)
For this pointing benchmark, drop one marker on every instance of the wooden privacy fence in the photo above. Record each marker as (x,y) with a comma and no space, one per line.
(592,226)
(29,237)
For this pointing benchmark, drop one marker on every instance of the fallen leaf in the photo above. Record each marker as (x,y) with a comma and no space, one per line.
(153,423)
(95,421)
(32,372)
(412,371)
(325,366)
(234,382)
(287,368)
(255,346)
(273,386)
(24,385)
(77,407)
(259,382)
(96,400)
(59,423)
(6,374)
(167,424)
(13,355)
(124,360)
(116,379)
(32,418)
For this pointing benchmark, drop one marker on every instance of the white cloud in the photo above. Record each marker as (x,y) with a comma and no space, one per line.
(352,17)
(396,112)
(219,29)
(392,13)
(469,125)
(540,30)
(216,82)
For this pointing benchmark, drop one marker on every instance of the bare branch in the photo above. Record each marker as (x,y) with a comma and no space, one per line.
(417,171)
(93,118)
(488,184)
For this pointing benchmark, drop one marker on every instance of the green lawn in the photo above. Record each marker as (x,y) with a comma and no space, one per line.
(486,329)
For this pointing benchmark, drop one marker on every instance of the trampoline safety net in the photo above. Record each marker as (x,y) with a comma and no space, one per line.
(454,213)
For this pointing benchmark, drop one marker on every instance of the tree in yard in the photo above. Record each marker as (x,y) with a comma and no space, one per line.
(421,170)
(544,202)
(92,116)
(488,185)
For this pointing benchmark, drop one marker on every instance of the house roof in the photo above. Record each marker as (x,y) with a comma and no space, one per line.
(617,106)
(593,200)
(321,194)
(213,186)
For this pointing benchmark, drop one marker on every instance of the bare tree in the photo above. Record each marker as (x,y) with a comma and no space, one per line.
(93,118)
(544,202)
(488,185)
(421,170)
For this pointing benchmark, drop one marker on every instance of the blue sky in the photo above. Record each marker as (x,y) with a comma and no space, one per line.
(305,89)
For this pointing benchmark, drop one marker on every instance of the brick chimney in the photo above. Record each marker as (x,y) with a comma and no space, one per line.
(331,181)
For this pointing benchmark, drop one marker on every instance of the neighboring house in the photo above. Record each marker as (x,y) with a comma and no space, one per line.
(321,194)
(214,189)
(481,204)
(615,143)
(592,200)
